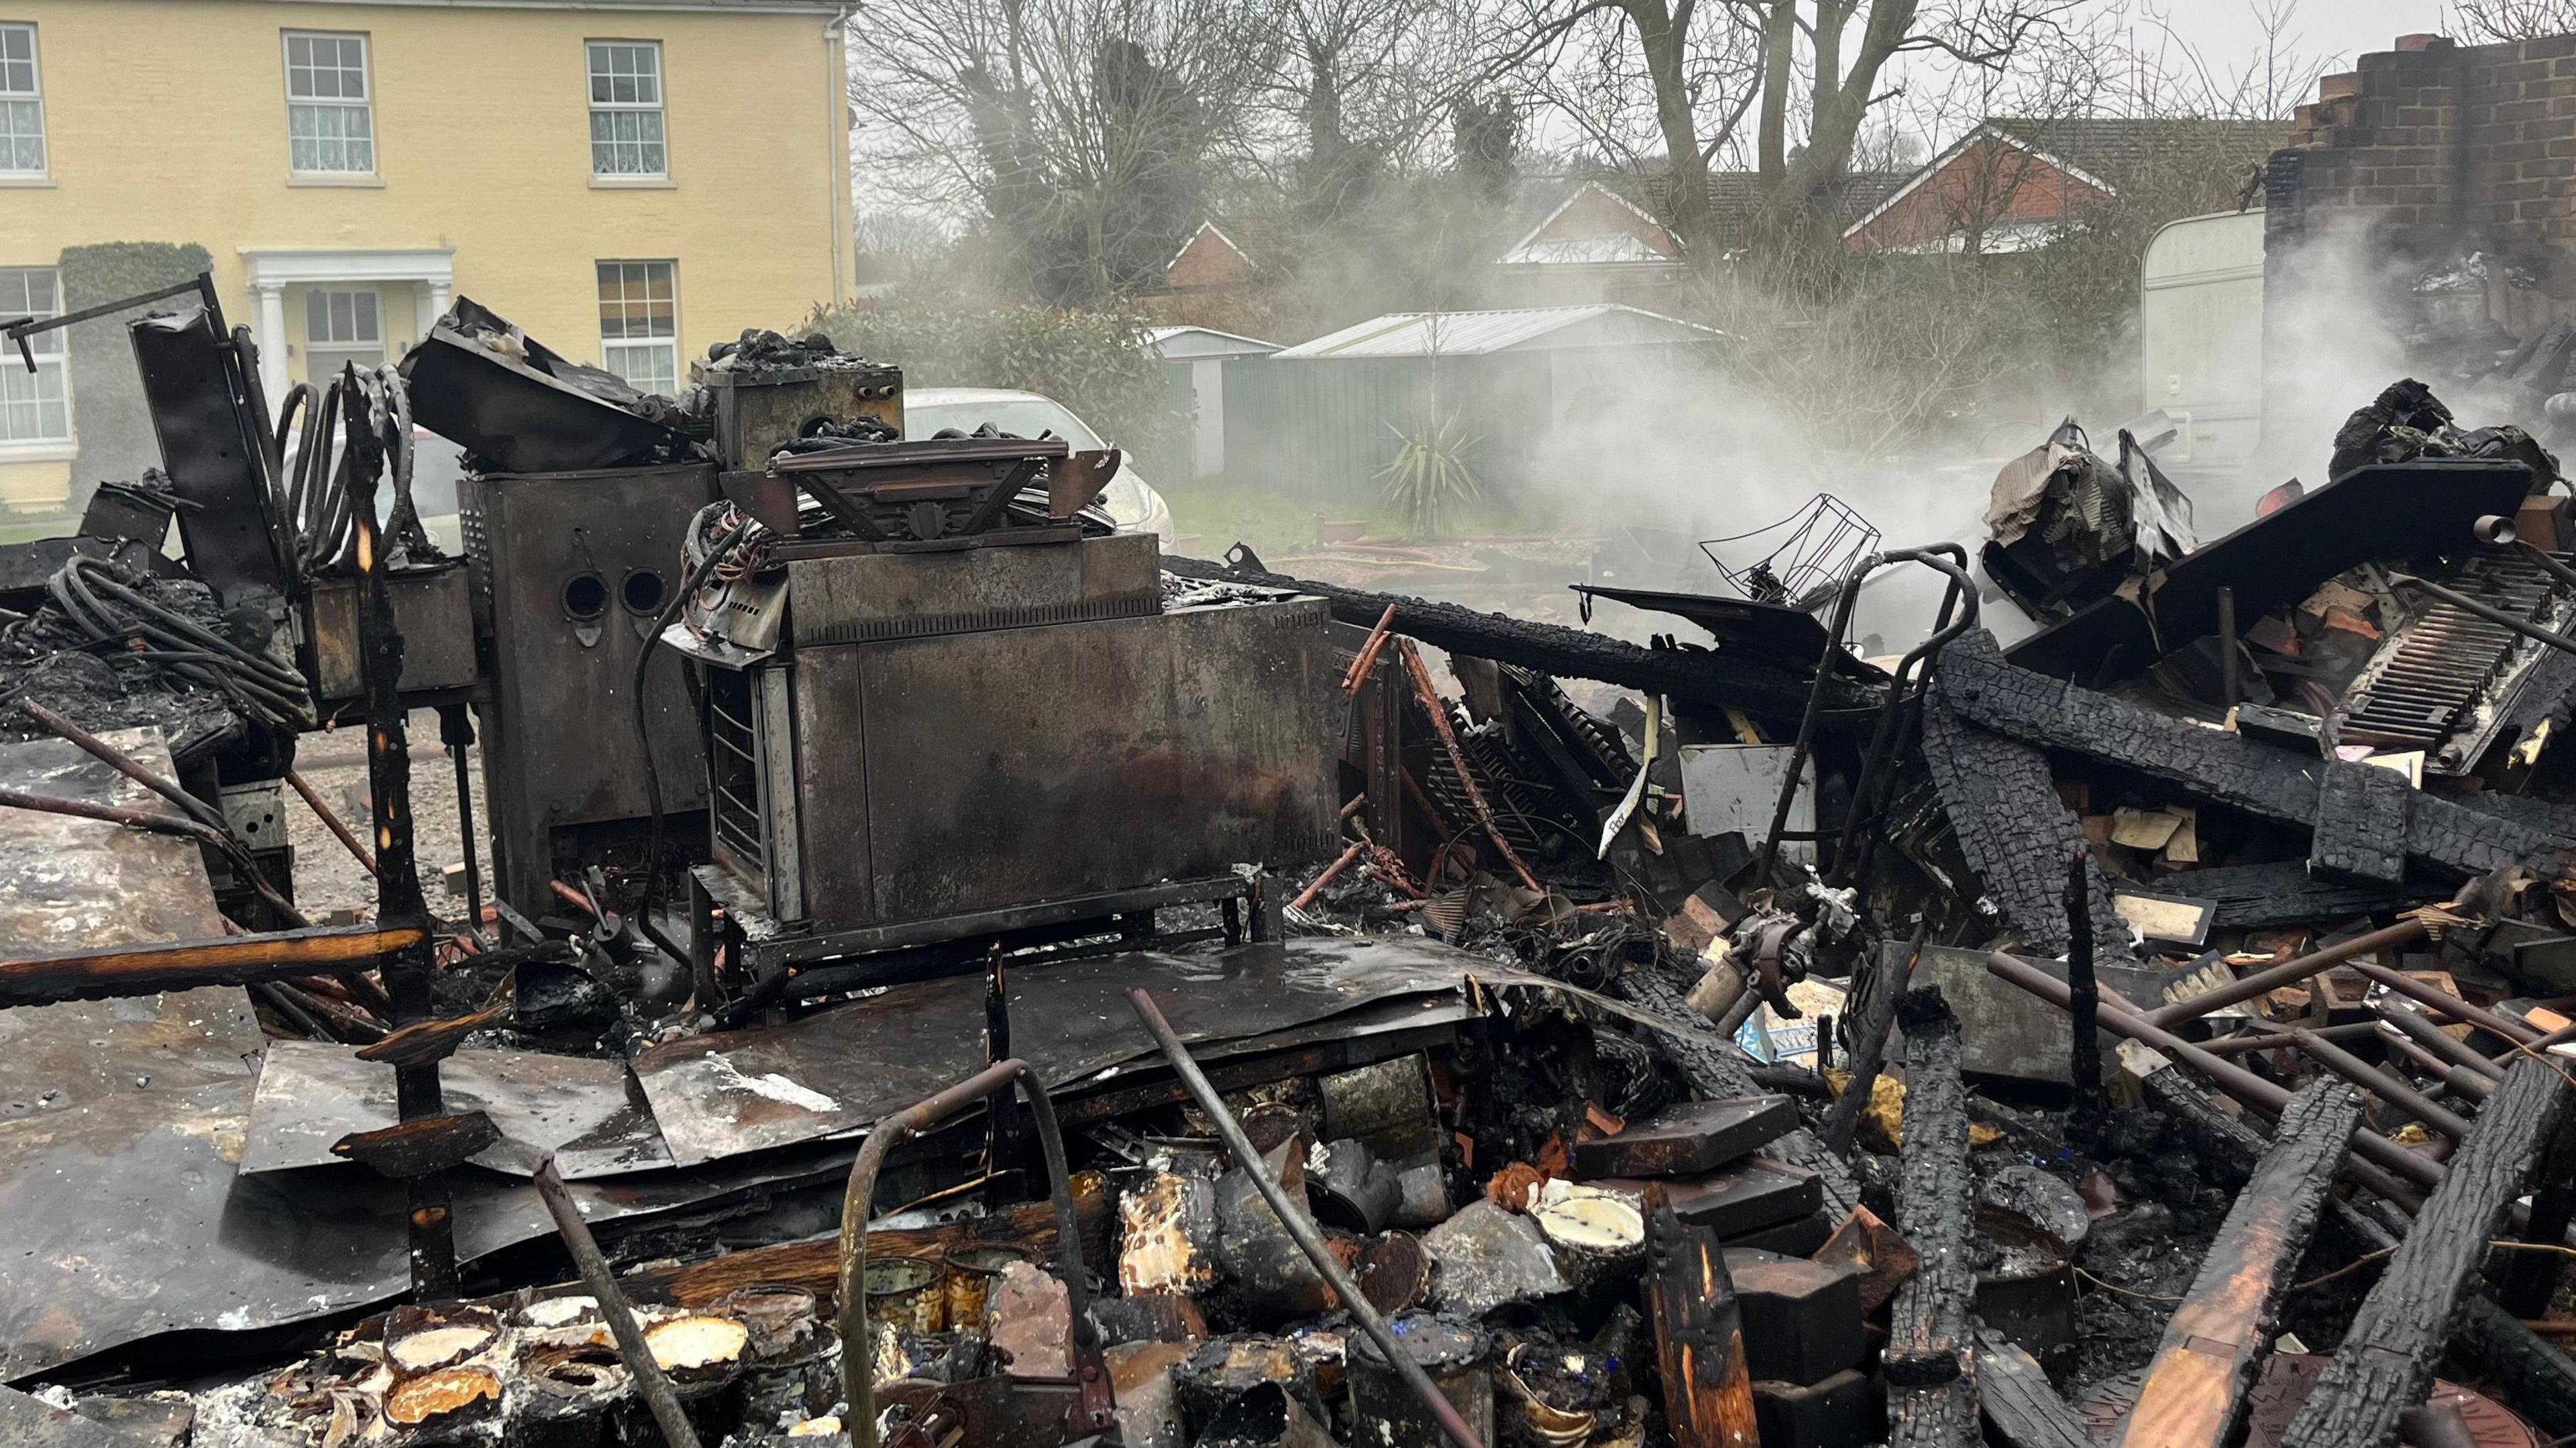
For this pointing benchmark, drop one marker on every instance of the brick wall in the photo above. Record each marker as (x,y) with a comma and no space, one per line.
(2442,150)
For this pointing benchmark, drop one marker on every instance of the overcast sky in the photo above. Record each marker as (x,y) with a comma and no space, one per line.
(2345,28)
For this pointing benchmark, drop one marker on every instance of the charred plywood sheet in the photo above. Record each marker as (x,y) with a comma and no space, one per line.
(589,1113)
(841,1069)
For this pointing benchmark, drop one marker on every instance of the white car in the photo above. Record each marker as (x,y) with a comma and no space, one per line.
(1129,499)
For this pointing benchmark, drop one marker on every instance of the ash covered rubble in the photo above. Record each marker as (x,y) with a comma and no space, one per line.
(1473,1030)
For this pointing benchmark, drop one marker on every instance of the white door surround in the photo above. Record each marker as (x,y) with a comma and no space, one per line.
(271,270)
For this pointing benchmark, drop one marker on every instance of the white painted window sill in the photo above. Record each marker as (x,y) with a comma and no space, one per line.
(39,452)
(27,179)
(330,179)
(633,183)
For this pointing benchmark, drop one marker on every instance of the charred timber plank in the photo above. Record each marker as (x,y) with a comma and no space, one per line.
(2258,897)
(419,1147)
(130,970)
(2013,829)
(1697,675)
(1929,1339)
(2022,1409)
(2259,779)
(1699,1332)
(2360,827)
(2214,1345)
(1942,1416)
(2386,1363)
(2491,1341)
(2530,1279)
(1709,1063)
(426,1041)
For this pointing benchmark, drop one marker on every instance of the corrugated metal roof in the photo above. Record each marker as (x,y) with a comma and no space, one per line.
(1186,343)
(1469,334)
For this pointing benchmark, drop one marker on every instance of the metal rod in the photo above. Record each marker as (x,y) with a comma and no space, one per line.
(339,830)
(1293,1217)
(638,1355)
(2388,1088)
(1366,659)
(2263,982)
(858,1344)
(1439,713)
(124,764)
(2444,1001)
(2266,1096)
(2548,561)
(2458,1080)
(1307,896)
(2269,1037)
(1957,615)
(2419,1028)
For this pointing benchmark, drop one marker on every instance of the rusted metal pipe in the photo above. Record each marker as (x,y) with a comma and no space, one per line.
(1292,1216)
(124,764)
(2292,972)
(2266,1096)
(1366,659)
(631,1347)
(2387,1087)
(858,1344)
(2458,1080)
(1332,871)
(2269,1037)
(330,821)
(2420,1030)
(1439,713)
(2449,1004)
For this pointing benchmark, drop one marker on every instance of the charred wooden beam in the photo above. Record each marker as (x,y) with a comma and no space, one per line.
(130,970)
(2530,1279)
(426,1041)
(2259,779)
(409,1149)
(1930,1341)
(1699,1332)
(2022,1410)
(1720,680)
(2214,1345)
(2002,803)
(2091,1111)
(1869,1041)
(2386,1363)
(1710,1064)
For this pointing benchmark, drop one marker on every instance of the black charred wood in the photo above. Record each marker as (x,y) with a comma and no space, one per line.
(416,1148)
(1929,1340)
(1697,675)
(2022,1410)
(2013,829)
(1710,1063)
(2258,779)
(2386,1362)
(2260,897)
(1869,1040)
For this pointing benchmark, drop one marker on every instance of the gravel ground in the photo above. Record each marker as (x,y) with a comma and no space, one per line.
(327,879)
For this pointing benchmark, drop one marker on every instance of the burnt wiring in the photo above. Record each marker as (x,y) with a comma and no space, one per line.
(96,596)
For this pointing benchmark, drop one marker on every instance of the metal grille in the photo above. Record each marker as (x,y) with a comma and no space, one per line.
(733,774)
(2436,683)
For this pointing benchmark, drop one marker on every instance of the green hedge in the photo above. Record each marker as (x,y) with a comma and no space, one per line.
(1098,363)
(116,440)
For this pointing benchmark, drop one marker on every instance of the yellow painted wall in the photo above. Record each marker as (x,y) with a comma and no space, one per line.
(166,121)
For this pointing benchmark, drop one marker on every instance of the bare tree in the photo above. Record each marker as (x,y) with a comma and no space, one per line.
(1078,132)
(2498,20)
(1804,75)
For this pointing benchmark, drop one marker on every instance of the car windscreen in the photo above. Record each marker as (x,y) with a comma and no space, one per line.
(1022,418)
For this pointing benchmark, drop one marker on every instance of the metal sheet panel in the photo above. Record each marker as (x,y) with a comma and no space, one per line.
(1026,765)
(587,1112)
(856,597)
(841,1069)
(559,739)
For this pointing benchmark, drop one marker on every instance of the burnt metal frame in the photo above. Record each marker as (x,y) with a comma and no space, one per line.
(1095,1405)
(1947,558)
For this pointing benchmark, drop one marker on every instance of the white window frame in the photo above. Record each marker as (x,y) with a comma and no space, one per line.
(364,105)
(610,348)
(52,356)
(34,97)
(354,347)
(611,108)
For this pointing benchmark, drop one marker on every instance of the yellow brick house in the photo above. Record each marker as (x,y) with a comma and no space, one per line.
(629,180)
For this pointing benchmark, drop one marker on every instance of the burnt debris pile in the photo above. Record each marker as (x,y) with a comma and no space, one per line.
(940,971)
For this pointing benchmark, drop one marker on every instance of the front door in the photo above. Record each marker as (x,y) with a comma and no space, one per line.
(342,325)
